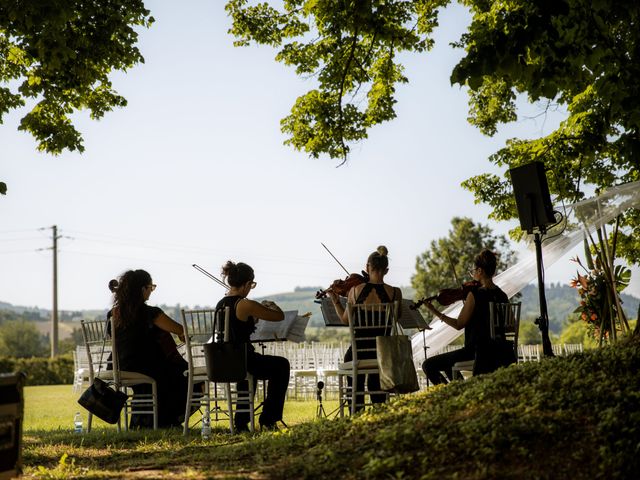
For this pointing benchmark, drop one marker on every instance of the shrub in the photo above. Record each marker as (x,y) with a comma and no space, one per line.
(40,370)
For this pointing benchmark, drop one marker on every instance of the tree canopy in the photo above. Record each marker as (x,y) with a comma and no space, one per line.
(579,56)
(456,253)
(58,56)
(21,339)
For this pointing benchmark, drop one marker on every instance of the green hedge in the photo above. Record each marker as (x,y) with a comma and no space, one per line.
(40,370)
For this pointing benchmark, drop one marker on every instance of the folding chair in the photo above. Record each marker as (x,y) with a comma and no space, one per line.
(504,321)
(366,322)
(198,330)
(242,401)
(137,403)
(99,347)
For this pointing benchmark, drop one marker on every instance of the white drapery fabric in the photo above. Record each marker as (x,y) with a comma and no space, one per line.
(582,217)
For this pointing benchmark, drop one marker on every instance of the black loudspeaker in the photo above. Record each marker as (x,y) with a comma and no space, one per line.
(532,197)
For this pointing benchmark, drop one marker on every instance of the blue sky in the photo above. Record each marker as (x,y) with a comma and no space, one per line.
(194,170)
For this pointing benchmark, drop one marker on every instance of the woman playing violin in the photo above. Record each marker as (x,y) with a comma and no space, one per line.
(474,318)
(244,314)
(372,291)
(138,328)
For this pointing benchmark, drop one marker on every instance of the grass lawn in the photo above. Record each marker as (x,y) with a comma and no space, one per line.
(51,449)
(575,417)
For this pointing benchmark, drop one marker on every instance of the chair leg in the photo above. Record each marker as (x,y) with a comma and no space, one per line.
(89,418)
(252,413)
(227,388)
(187,410)
(154,399)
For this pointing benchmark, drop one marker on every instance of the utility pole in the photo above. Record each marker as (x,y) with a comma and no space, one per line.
(54,312)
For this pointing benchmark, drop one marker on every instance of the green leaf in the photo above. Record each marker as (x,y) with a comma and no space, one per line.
(3,188)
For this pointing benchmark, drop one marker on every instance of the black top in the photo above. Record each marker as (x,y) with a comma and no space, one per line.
(369,343)
(239,331)
(478,330)
(138,349)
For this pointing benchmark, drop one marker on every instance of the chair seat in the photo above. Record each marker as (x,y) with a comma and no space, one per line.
(125,376)
(369,363)
(466,365)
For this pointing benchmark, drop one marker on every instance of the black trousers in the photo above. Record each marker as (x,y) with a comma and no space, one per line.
(275,370)
(433,366)
(373,384)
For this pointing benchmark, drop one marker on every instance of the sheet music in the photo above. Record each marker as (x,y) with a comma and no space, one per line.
(331,318)
(291,328)
(411,318)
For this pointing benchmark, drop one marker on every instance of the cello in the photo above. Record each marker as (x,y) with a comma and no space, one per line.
(163,338)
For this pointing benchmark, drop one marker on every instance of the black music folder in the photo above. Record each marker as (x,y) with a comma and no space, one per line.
(408,319)
(291,328)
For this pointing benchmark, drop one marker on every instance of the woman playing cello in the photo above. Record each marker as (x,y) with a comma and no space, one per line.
(142,335)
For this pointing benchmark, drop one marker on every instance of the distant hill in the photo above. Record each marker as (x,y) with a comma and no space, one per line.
(562,300)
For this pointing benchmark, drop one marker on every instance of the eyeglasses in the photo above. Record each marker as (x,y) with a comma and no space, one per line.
(152,286)
(473,270)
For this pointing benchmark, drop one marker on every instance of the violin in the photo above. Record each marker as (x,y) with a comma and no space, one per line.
(448,296)
(342,287)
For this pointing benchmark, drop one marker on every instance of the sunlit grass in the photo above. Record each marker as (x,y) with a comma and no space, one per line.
(52,450)
(52,408)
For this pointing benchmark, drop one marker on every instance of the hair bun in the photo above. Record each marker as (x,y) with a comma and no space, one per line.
(382,250)
(113,285)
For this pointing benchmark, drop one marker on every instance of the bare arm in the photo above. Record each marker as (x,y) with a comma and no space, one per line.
(340,310)
(464,317)
(166,323)
(250,308)
(399,300)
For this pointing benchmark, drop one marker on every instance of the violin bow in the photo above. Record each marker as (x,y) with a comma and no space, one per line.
(212,277)
(453,268)
(334,257)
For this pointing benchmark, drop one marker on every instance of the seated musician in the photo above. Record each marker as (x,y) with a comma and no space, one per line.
(244,314)
(373,291)
(144,345)
(474,318)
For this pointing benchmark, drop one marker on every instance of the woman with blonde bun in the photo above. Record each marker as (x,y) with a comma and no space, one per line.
(373,291)
(244,314)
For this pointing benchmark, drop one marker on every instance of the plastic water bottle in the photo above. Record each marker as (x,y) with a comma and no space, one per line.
(206,421)
(77,423)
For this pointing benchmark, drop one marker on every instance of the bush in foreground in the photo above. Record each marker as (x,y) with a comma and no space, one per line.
(573,417)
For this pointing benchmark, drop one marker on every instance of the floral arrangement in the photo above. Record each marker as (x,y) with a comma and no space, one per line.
(598,306)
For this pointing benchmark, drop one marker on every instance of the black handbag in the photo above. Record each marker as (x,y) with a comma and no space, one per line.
(226,361)
(103,401)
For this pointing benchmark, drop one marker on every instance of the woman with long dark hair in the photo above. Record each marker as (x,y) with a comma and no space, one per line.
(244,314)
(142,336)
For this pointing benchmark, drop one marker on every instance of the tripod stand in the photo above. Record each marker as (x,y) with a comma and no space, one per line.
(320,411)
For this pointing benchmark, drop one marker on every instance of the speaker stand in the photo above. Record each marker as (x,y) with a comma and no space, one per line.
(543,320)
